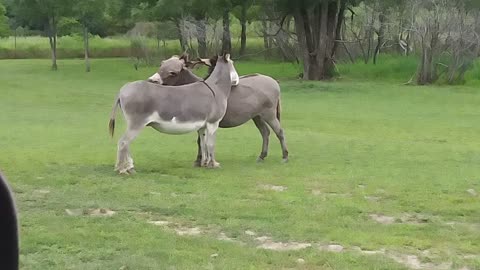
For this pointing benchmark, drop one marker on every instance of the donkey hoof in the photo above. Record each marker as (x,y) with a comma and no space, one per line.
(285,160)
(123,172)
(213,165)
(131,171)
(260,160)
(197,163)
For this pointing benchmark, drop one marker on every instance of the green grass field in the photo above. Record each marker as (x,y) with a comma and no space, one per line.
(381,176)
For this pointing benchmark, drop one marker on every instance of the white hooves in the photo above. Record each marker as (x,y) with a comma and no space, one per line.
(213,165)
(126,171)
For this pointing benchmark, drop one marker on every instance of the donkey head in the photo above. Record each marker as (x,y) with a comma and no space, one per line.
(224,59)
(170,70)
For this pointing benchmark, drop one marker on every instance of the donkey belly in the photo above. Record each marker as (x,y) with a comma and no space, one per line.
(239,111)
(174,126)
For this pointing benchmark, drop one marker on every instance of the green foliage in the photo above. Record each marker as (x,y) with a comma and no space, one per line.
(67,26)
(4,27)
(90,14)
(253,11)
(165,11)
(389,68)
(39,13)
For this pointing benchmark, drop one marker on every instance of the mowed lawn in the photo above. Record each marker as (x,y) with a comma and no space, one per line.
(381,176)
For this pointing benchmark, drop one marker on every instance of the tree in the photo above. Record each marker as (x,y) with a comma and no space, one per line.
(43,14)
(200,10)
(318,24)
(227,38)
(88,13)
(243,15)
(4,27)
(164,10)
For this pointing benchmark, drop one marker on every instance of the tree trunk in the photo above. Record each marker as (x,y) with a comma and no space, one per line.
(202,38)
(299,29)
(243,22)
(338,28)
(425,73)
(427,70)
(317,30)
(86,48)
(266,44)
(477,30)
(181,37)
(381,34)
(226,41)
(15,48)
(52,37)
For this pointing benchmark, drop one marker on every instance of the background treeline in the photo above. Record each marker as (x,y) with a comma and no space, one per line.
(442,36)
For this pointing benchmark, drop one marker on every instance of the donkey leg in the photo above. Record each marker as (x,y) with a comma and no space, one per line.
(277,128)
(265,132)
(124,163)
(211,137)
(202,147)
(198,161)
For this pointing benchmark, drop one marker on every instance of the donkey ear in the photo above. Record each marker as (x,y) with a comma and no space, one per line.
(184,57)
(192,64)
(207,62)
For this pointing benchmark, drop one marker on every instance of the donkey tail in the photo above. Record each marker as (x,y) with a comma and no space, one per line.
(111,124)
(279,109)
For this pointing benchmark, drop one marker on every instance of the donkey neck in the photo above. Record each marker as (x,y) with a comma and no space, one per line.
(187,77)
(220,77)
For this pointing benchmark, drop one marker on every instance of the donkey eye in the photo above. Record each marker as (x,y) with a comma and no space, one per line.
(173,73)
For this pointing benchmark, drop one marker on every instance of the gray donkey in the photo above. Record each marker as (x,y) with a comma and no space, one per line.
(175,110)
(256,97)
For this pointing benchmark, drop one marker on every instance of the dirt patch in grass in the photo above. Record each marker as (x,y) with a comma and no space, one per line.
(408,260)
(332,248)
(382,219)
(179,229)
(318,192)
(472,192)
(159,222)
(266,242)
(369,252)
(406,218)
(414,218)
(372,198)
(41,192)
(273,187)
(97,212)
(186,231)
(423,261)
(224,237)
(470,226)
(414,262)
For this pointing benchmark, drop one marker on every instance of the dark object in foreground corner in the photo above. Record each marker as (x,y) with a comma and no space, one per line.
(8,228)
